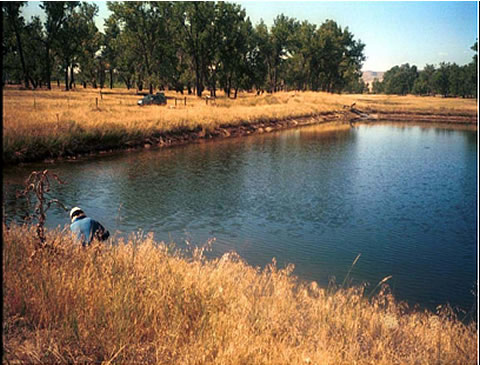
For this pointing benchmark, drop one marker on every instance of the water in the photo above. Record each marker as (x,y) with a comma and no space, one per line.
(404,197)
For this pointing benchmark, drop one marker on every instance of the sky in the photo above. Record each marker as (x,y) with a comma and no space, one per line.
(394,32)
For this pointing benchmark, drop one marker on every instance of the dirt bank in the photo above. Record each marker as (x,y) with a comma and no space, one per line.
(416,117)
(182,137)
(348,115)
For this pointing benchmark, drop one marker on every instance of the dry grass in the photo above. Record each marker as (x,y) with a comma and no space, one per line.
(140,301)
(48,124)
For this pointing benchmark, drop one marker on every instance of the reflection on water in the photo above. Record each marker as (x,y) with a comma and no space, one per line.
(402,196)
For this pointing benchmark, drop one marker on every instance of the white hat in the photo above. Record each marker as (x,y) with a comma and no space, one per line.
(74,210)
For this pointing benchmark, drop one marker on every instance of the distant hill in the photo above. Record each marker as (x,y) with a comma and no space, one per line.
(369,76)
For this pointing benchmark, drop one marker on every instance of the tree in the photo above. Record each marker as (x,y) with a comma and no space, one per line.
(15,24)
(471,73)
(377,87)
(178,45)
(423,85)
(456,80)
(111,51)
(400,79)
(144,25)
(89,59)
(441,79)
(261,56)
(338,57)
(76,32)
(282,38)
(299,70)
(195,21)
(35,65)
(356,86)
(57,13)
(234,39)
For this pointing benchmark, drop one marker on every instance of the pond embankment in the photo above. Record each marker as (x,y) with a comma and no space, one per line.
(181,136)
(142,301)
(51,125)
(331,120)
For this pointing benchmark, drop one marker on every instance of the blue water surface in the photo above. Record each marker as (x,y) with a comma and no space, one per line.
(402,196)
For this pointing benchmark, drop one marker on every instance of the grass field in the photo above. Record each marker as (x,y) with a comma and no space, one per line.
(49,124)
(143,302)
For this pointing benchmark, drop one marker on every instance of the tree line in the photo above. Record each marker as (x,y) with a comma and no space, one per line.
(448,79)
(186,46)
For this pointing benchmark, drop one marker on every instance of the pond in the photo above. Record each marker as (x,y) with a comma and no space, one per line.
(402,196)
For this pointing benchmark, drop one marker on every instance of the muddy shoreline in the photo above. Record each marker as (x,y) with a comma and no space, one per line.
(346,116)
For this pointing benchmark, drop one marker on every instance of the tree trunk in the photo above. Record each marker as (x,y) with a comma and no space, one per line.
(111,78)
(228,87)
(48,71)
(275,80)
(198,80)
(20,51)
(66,77)
(72,79)
(102,80)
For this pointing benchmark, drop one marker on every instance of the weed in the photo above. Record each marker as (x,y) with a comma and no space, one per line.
(60,125)
(141,301)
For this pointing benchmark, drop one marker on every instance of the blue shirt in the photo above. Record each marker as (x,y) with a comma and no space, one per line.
(87,228)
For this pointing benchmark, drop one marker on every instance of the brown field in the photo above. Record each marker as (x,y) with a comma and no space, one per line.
(45,124)
(143,302)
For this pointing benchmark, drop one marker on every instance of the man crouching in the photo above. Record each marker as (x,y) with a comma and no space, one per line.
(86,228)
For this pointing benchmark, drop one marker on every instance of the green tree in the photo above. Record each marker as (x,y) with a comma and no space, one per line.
(57,13)
(400,79)
(196,30)
(339,57)
(456,80)
(282,42)
(146,33)
(261,56)
(423,85)
(235,32)
(299,68)
(471,73)
(76,31)
(111,46)
(15,25)
(377,87)
(441,79)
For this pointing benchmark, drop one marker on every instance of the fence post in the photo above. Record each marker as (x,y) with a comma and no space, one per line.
(185,101)
(175,101)
(96,102)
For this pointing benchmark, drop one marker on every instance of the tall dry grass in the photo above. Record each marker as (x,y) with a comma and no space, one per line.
(143,302)
(48,124)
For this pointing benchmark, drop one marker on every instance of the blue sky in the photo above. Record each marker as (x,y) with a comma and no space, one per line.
(394,32)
